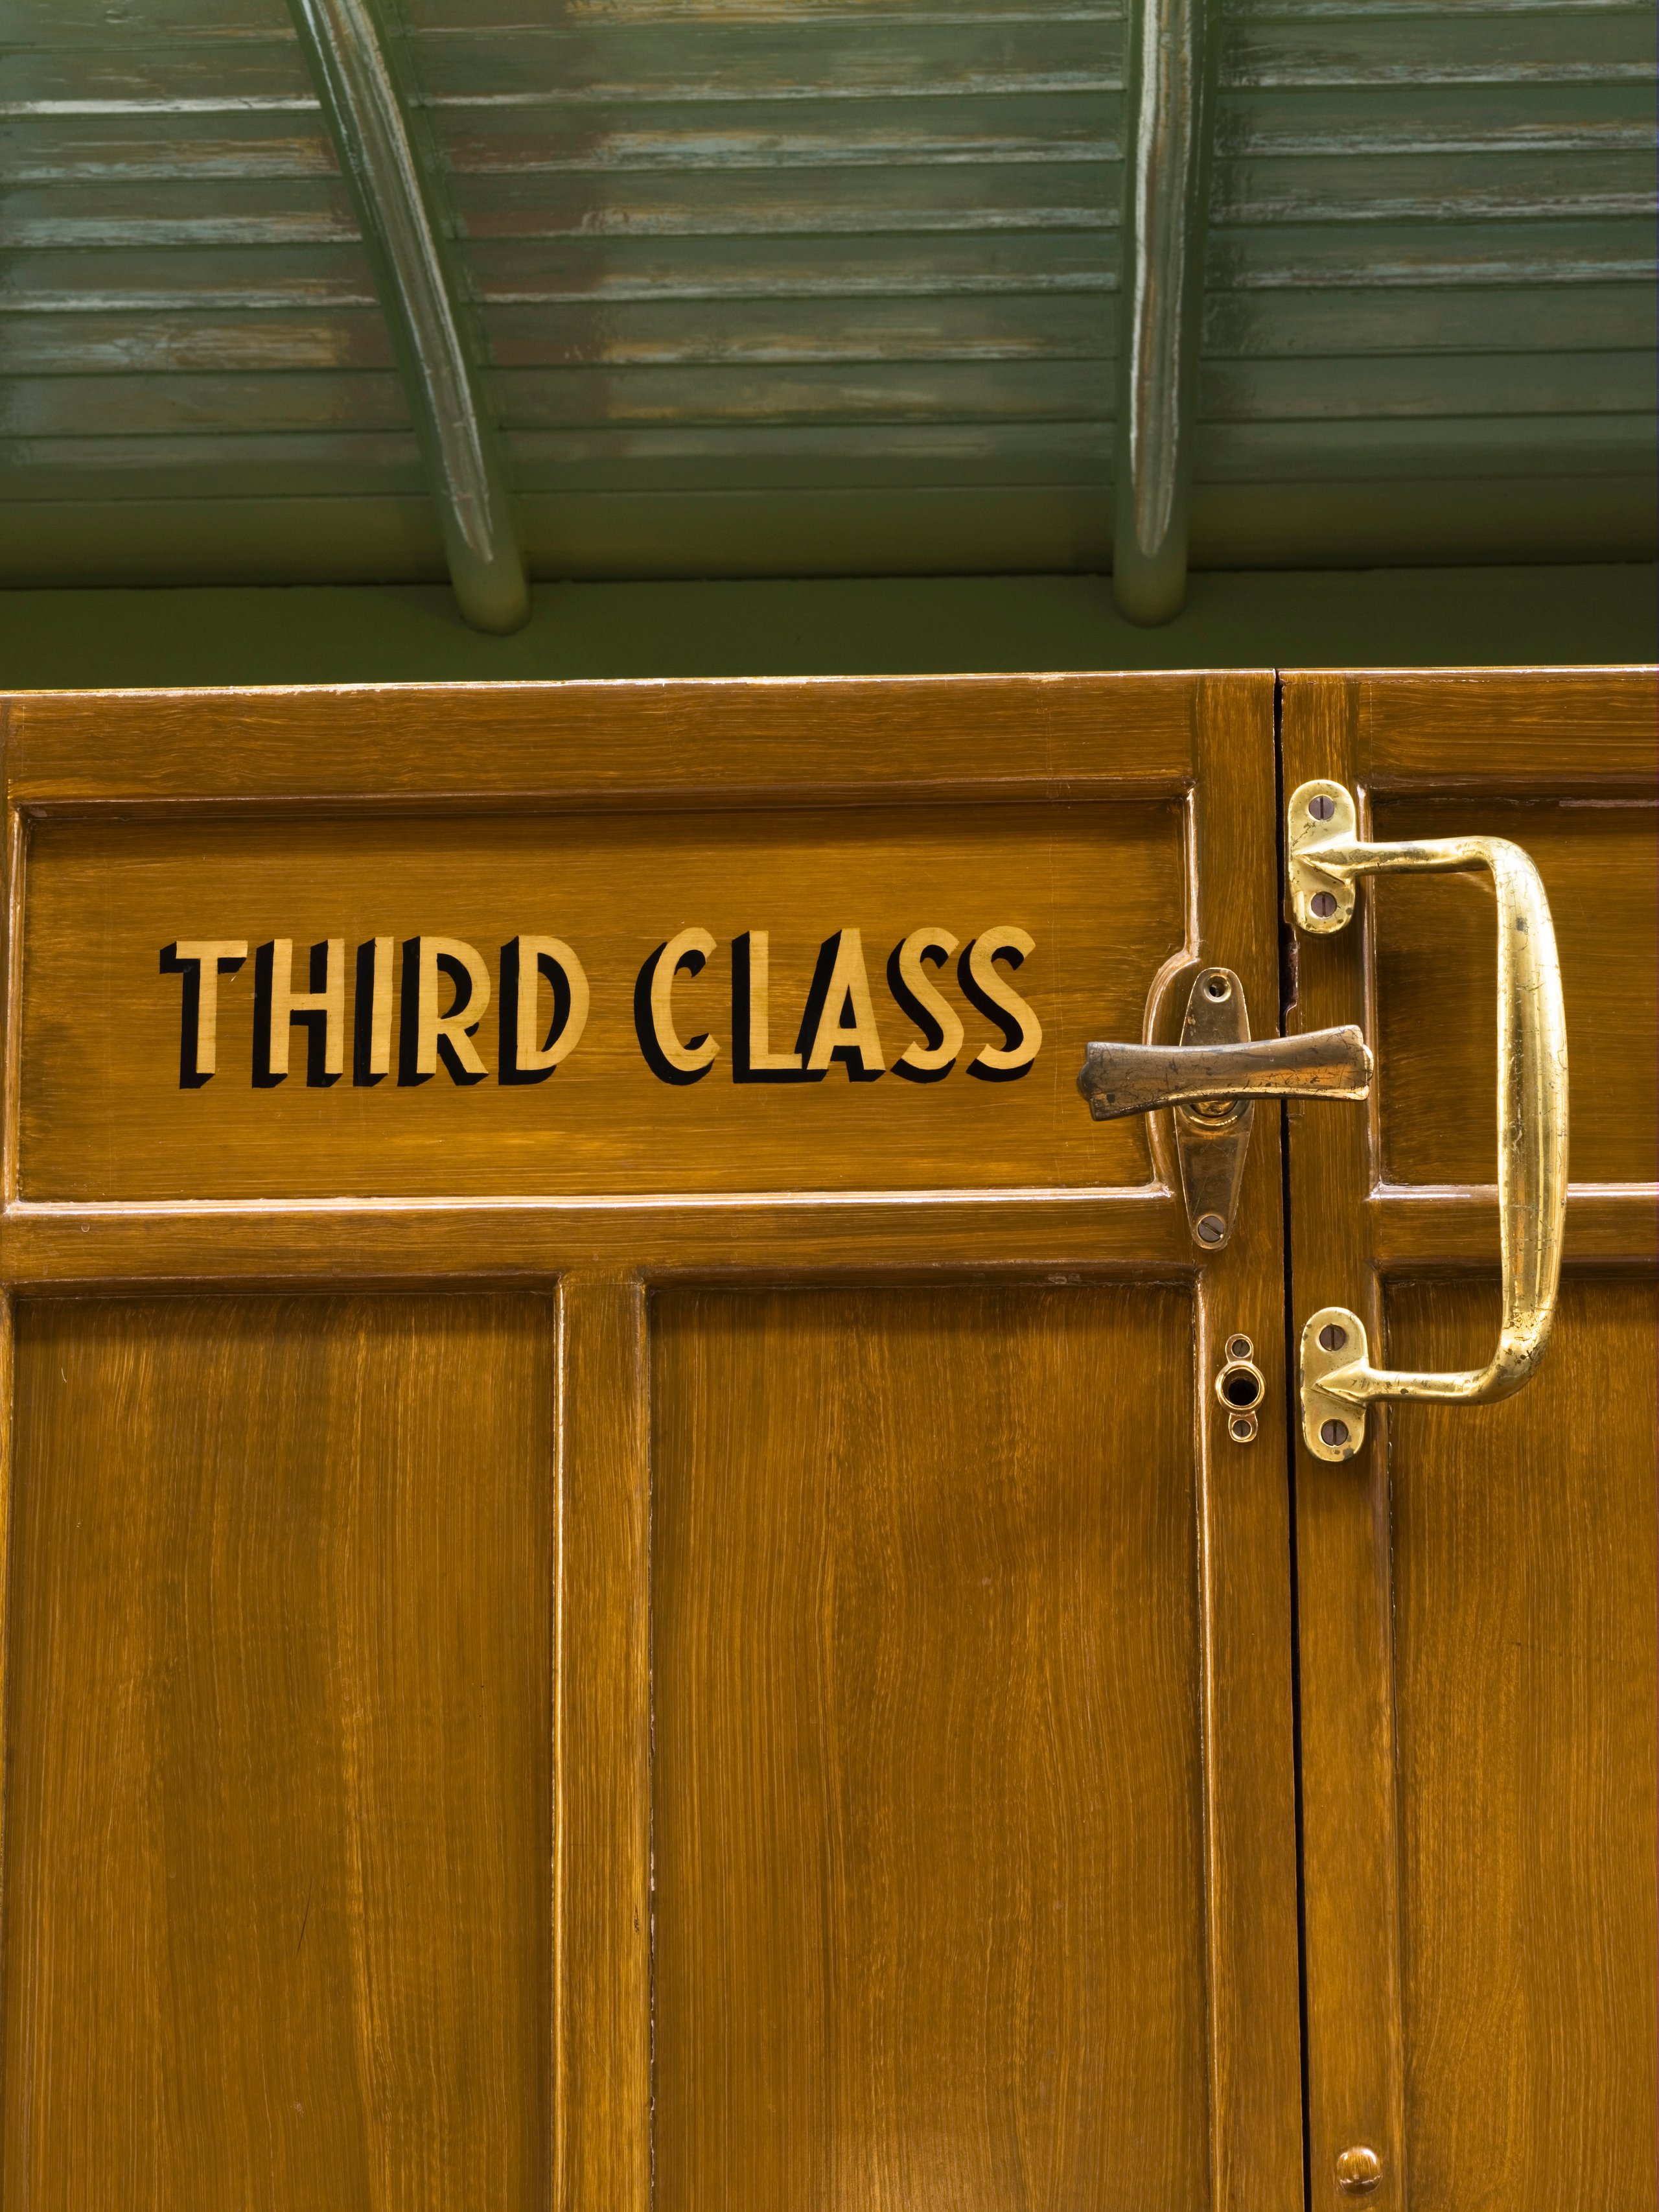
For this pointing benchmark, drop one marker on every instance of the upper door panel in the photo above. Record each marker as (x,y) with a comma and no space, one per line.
(814,937)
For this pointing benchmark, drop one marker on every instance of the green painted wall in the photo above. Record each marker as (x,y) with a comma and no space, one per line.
(904,626)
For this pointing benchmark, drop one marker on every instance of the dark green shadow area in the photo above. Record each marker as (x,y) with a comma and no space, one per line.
(330,634)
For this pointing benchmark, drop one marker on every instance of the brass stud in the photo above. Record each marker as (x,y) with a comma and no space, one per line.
(1359,2169)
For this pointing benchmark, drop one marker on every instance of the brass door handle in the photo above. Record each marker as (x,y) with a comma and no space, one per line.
(1211,1078)
(1338,1381)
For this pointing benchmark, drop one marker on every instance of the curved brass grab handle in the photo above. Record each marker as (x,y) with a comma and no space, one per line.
(1337,1380)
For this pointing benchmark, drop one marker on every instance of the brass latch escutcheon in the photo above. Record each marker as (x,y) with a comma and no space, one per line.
(1210,1080)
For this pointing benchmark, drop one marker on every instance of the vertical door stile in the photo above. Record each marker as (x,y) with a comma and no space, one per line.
(1356,2071)
(13,833)
(8,1457)
(1243,1528)
(601,1765)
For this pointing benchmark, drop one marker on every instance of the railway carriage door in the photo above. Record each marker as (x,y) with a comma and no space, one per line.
(631,1578)
(1478,1580)
(647,1566)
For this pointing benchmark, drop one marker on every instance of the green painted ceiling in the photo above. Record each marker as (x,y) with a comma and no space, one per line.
(816,287)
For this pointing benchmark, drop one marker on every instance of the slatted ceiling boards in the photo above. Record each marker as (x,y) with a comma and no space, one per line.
(1429,319)
(828,286)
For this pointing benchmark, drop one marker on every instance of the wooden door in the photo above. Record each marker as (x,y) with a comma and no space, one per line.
(627,1583)
(1478,1658)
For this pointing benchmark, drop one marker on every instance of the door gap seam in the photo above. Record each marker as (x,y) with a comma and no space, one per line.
(1287,997)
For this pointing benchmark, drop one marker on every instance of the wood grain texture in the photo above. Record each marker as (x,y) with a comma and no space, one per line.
(1510,731)
(1437,990)
(278,1836)
(1526,1566)
(1355,2055)
(603,1901)
(929,1883)
(1102,890)
(580,743)
(1476,1592)
(1165,2038)
(1244,1536)
(1414,1229)
(1140,1228)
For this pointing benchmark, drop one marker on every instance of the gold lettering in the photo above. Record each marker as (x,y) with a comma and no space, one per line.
(909,975)
(288,1005)
(201,961)
(995,997)
(694,947)
(848,991)
(532,1053)
(761,1060)
(453,1030)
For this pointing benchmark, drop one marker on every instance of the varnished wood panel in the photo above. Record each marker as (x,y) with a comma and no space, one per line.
(278,1867)
(1100,890)
(602,1895)
(464,745)
(1145,1227)
(1436,989)
(1476,1590)
(1506,730)
(926,1672)
(1526,1564)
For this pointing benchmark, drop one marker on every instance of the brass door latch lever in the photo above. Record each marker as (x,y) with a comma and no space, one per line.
(1210,1080)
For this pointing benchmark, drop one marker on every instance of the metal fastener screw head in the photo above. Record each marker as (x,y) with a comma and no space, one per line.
(1211,1228)
(1322,807)
(1333,1433)
(1331,1337)
(1242,1428)
(1239,1347)
(1359,2169)
(1323,902)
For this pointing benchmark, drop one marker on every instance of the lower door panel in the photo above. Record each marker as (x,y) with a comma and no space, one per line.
(1524,1570)
(926,1772)
(278,1711)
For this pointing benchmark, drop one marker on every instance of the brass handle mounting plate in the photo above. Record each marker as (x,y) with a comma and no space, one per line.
(1326,854)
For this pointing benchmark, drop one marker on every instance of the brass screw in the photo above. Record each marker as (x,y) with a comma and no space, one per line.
(1359,2169)
(1211,1228)
(1242,1428)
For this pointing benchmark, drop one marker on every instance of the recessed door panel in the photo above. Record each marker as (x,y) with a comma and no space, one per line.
(927,1768)
(277,1709)
(1526,1559)
(780,1048)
